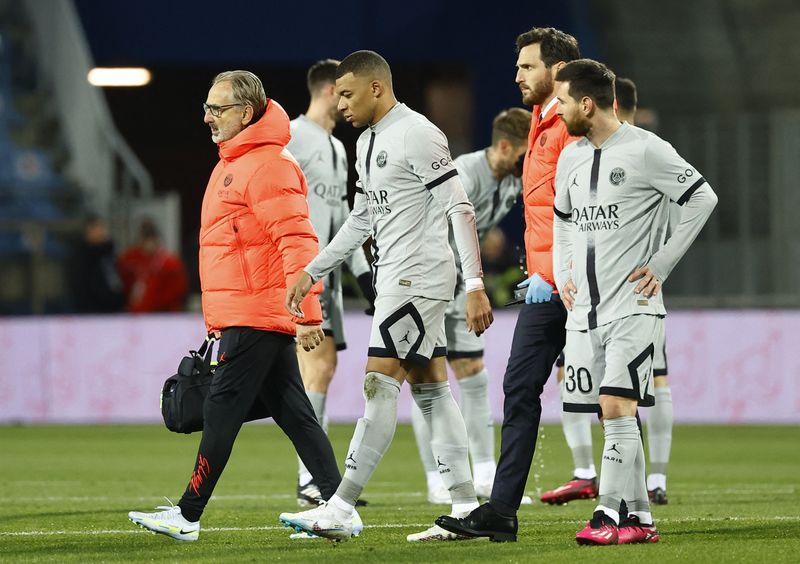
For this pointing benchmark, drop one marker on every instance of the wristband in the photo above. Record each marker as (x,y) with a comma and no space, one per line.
(473,284)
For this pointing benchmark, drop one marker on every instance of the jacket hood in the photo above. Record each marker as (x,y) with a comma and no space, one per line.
(271,129)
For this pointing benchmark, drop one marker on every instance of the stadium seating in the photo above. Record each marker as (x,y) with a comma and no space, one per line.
(34,191)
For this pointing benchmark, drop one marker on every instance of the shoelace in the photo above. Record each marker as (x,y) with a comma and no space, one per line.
(167,508)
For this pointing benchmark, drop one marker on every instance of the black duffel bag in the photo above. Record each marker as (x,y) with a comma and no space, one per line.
(183,394)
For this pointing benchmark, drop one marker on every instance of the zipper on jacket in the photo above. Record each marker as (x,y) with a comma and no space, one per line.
(242,258)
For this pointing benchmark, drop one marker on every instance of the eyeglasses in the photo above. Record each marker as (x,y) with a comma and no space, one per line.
(216,111)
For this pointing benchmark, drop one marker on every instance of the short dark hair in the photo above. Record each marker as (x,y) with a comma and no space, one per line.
(589,78)
(627,98)
(321,74)
(555,45)
(365,63)
(513,124)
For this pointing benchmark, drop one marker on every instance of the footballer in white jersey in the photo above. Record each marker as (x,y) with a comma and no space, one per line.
(614,200)
(323,160)
(407,183)
(610,259)
(408,189)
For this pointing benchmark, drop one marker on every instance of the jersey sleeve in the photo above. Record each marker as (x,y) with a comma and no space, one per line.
(461,215)
(562,226)
(694,214)
(351,236)
(359,184)
(561,202)
(668,172)
(428,155)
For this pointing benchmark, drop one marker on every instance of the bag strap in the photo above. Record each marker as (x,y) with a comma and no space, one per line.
(206,352)
(210,338)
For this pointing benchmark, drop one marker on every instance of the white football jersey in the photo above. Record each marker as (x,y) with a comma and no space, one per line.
(407,187)
(616,200)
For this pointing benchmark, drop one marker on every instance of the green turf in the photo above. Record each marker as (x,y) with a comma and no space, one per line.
(66,491)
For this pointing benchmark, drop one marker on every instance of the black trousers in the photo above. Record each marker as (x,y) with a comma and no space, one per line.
(254,365)
(539,337)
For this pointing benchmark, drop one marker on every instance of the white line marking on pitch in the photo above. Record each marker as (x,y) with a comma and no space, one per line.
(378,495)
(382,526)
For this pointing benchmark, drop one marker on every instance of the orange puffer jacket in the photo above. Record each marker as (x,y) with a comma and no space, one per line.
(255,234)
(546,139)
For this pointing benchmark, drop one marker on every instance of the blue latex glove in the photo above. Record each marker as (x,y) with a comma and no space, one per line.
(539,291)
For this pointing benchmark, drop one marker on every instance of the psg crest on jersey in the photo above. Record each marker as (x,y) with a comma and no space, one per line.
(380,160)
(617,176)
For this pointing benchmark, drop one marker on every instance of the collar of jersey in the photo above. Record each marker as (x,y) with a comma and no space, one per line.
(312,123)
(486,165)
(395,113)
(614,137)
(546,109)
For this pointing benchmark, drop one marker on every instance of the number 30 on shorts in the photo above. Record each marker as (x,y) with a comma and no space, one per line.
(579,379)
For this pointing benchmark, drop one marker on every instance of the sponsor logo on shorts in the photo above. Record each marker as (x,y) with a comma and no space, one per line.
(406,283)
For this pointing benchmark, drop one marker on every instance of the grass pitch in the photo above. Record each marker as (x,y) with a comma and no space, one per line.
(733,491)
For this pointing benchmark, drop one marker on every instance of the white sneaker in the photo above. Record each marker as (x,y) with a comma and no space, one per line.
(439,495)
(526,500)
(324,521)
(358,526)
(435,533)
(169,522)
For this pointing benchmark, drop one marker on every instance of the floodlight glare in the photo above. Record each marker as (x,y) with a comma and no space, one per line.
(129,76)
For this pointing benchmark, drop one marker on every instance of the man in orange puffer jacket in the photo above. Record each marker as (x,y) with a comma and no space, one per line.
(255,237)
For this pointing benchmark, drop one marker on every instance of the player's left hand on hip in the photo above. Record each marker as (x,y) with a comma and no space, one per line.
(649,284)
(539,291)
(295,294)
(479,312)
(309,336)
